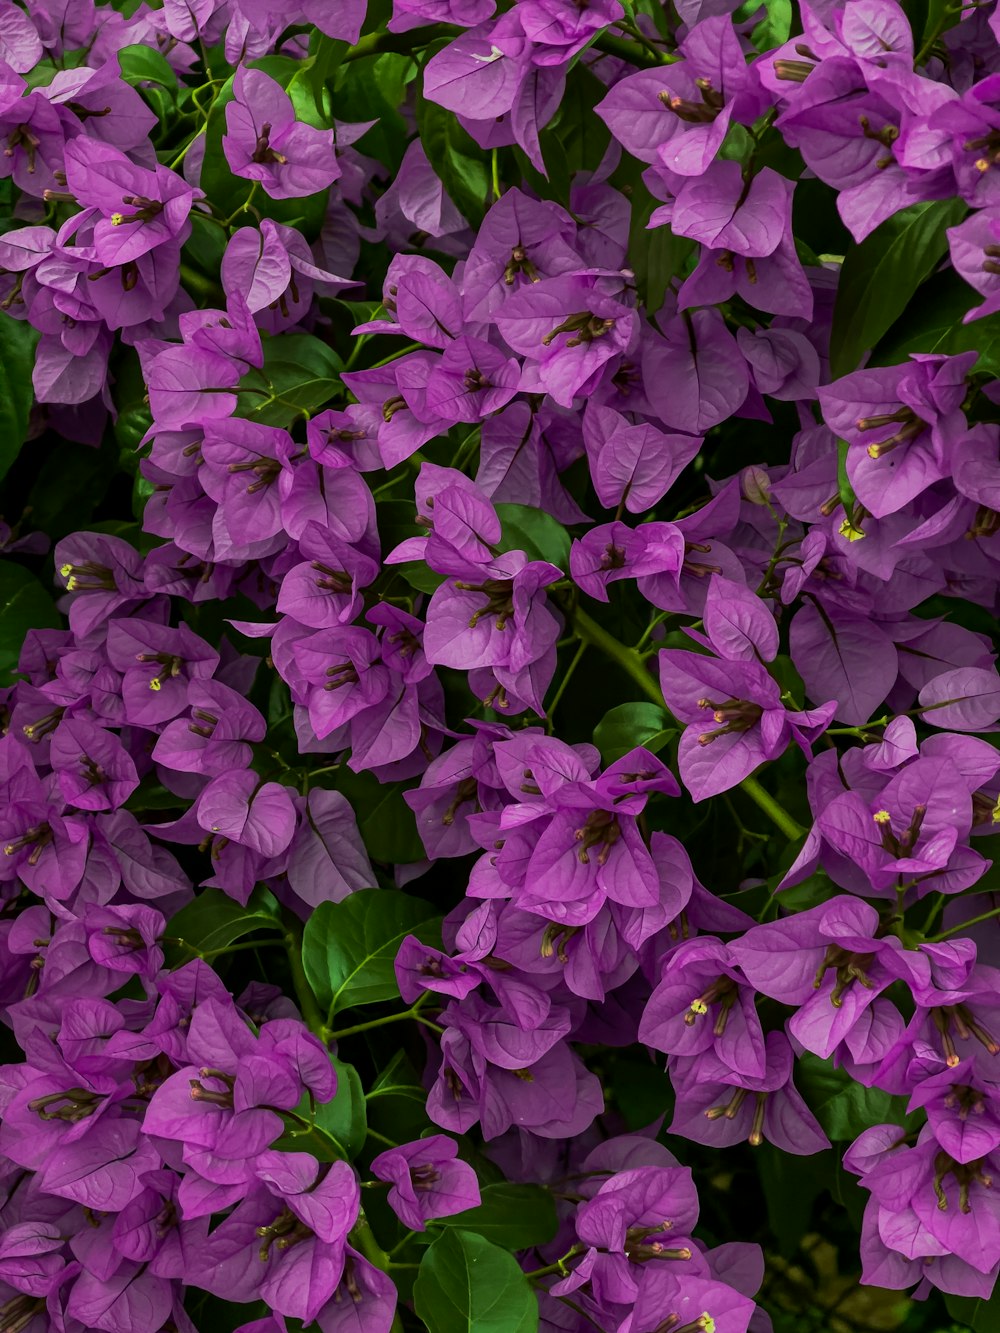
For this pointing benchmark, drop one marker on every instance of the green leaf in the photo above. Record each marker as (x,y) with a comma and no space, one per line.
(24,605)
(462,167)
(214,920)
(537,534)
(979,1315)
(582,135)
(514,1216)
(143,64)
(934,324)
(397,1100)
(467,1285)
(419,576)
(774,27)
(374,87)
(627,725)
(879,277)
(349,947)
(17,358)
(300,373)
(842,1106)
(810,893)
(791,1186)
(338,1129)
(386,823)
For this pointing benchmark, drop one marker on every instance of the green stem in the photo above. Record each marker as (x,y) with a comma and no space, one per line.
(775,812)
(964,925)
(404,43)
(629,660)
(581,649)
(303,991)
(247,944)
(632,663)
(647,632)
(558,1267)
(933,914)
(374,1134)
(626,48)
(947,15)
(376,1022)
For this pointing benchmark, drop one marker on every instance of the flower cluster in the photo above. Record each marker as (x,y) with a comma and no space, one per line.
(592,337)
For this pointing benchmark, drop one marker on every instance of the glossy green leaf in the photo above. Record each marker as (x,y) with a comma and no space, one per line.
(386,823)
(213,921)
(538,534)
(336,1129)
(24,605)
(17,357)
(300,375)
(349,947)
(933,323)
(397,1100)
(774,27)
(144,64)
(514,1216)
(842,1106)
(880,275)
(468,1285)
(459,163)
(981,1316)
(627,725)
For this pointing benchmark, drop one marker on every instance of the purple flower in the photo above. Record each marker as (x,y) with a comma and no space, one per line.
(134,209)
(568,329)
(702,1003)
(719,1107)
(264,141)
(833,962)
(900,423)
(427,1180)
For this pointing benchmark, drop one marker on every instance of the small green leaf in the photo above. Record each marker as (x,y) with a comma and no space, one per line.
(17,357)
(336,1129)
(933,324)
(774,27)
(537,534)
(879,277)
(386,823)
(791,1186)
(462,167)
(514,1216)
(214,920)
(982,1316)
(300,373)
(628,725)
(143,64)
(467,1285)
(842,1106)
(24,605)
(397,1100)
(349,947)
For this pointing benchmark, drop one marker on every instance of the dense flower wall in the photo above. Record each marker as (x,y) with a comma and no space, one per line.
(497,813)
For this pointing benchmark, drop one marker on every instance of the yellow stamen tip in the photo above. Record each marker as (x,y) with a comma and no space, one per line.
(699,1007)
(65,571)
(881,816)
(117,219)
(850,531)
(156,683)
